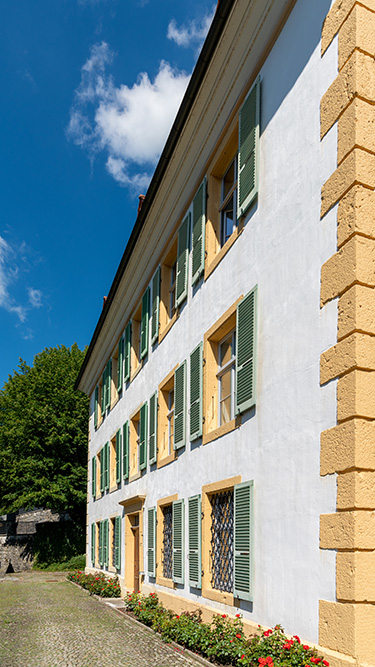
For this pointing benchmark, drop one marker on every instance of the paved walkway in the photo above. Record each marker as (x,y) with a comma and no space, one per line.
(47,622)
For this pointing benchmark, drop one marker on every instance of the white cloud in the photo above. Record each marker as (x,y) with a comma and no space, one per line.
(130,124)
(8,272)
(35,297)
(192,34)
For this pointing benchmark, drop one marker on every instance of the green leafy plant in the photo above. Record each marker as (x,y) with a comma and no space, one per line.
(223,640)
(97,584)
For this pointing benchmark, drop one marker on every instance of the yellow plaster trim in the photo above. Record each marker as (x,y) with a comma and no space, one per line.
(167,500)
(222,485)
(216,332)
(168,327)
(134,373)
(353,263)
(348,628)
(357,32)
(167,378)
(355,576)
(137,475)
(356,395)
(166,460)
(356,311)
(356,214)
(356,490)
(223,251)
(221,430)
(356,128)
(218,596)
(167,583)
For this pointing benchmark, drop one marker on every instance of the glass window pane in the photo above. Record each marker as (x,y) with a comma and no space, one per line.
(228,181)
(225,410)
(226,384)
(226,351)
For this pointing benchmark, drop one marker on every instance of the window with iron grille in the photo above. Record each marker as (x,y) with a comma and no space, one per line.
(113,526)
(167,551)
(221,554)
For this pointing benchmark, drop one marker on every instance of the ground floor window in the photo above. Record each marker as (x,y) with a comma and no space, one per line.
(167,550)
(222,542)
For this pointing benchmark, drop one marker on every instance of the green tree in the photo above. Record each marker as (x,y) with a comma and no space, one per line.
(43,434)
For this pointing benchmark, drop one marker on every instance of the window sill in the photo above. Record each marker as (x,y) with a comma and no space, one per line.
(112,569)
(137,475)
(218,596)
(162,334)
(115,487)
(163,581)
(221,430)
(113,403)
(136,371)
(167,459)
(223,251)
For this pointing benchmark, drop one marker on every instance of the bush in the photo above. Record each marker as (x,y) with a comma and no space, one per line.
(223,640)
(97,584)
(58,543)
(77,562)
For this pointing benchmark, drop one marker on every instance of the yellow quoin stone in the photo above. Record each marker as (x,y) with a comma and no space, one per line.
(336,16)
(356,490)
(357,167)
(348,628)
(355,351)
(348,445)
(348,530)
(355,576)
(357,32)
(353,263)
(356,311)
(357,78)
(356,214)
(356,395)
(356,128)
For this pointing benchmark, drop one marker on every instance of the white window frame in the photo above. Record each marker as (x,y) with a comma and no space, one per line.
(170,417)
(222,370)
(232,195)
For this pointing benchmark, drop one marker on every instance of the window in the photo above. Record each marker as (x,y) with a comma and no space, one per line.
(115,461)
(227,564)
(104,468)
(172,290)
(166,452)
(226,378)
(138,440)
(103,543)
(115,542)
(93,544)
(168,273)
(93,476)
(167,550)
(106,388)
(229,374)
(228,207)
(139,331)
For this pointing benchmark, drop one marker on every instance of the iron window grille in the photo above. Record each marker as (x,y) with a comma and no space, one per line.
(222,542)
(167,550)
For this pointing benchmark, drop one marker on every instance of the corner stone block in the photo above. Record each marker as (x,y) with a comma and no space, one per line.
(355,351)
(357,167)
(355,576)
(347,530)
(358,31)
(357,78)
(336,17)
(348,445)
(356,311)
(356,127)
(353,263)
(356,490)
(356,214)
(356,395)
(348,628)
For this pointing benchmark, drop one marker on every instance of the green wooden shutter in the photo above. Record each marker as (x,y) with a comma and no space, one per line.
(155,306)
(182,261)
(196,390)
(125,450)
(243,540)
(151,541)
(93,476)
(102,469)
(118,457)
(152,438)
(106,466)
(120,363)
(93,543)
(194,554)
(246,342)
(96,400)
(109,383)
(143,437)
(144,322)
(199,232)
(178,541)
(179,406)
(127,348)
(101,543)
(248,142)
(104,389)
(105,542)
(118,542)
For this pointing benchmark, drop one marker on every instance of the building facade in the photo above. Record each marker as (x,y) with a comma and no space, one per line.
(231,456)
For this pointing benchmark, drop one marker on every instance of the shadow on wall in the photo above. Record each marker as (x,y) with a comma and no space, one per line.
(305,23)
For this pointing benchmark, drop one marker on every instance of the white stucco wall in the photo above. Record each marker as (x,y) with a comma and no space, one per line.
(282,249)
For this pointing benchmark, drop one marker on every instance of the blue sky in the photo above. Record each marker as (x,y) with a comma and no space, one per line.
(90,90)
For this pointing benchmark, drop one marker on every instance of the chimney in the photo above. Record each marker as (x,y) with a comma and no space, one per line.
(141,200)
(104,300)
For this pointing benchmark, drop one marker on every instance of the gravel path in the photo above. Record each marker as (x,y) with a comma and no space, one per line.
(47,622)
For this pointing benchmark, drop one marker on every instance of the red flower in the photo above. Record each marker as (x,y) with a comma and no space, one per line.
(306,647)
(269,660)
(177,617)
(242,656)
(297,638)
(325,663)
(239,616)
(238,636)
(261,661)
(316,661)
(230,641)
(223,616)
(268,633)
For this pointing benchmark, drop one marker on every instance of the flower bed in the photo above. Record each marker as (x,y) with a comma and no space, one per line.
(98,584)
(223,640)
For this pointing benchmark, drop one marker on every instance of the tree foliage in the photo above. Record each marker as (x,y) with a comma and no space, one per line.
(43,434)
